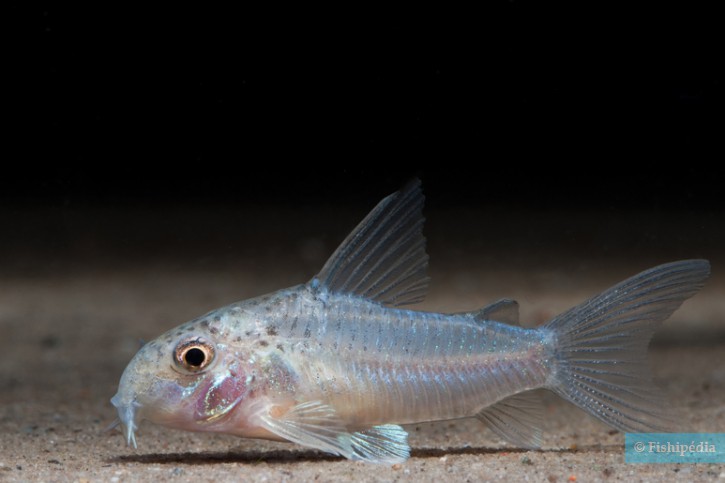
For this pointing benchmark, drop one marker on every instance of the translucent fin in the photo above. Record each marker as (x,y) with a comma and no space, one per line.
(600,358)
(312,424)
(316,425)
(386,444)
(384,257)
(504,310)
(517,419)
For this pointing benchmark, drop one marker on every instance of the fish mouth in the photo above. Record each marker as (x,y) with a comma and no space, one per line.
(127,417)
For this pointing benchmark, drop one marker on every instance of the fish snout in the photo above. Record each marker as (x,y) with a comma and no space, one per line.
(127,416)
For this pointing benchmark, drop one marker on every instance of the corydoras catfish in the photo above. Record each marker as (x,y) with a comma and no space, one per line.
(335,364)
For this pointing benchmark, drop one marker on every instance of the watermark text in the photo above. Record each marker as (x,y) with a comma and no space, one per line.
(674,448)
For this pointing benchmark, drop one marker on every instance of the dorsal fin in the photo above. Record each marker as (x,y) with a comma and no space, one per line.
(503,310)
(384,257)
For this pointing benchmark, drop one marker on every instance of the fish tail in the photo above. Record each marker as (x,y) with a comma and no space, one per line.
(601,346)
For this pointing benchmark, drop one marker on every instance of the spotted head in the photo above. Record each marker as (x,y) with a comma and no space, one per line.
(188,378)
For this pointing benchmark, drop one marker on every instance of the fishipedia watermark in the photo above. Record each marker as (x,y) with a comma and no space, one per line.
(674,448)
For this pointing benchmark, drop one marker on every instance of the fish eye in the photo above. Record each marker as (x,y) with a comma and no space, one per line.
(194,355)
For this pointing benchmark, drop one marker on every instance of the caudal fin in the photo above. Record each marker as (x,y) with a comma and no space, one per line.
(601,346)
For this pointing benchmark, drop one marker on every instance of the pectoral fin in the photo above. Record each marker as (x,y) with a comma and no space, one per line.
(316,425)
(310,424)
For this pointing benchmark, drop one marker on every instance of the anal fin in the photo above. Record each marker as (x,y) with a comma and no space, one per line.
(517,419)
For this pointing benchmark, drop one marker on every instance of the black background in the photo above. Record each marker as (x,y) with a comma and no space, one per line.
(513,103)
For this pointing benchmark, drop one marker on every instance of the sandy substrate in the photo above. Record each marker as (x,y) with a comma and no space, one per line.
(72,314)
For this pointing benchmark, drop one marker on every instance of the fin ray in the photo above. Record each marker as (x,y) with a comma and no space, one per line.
(385,444)
(601,346)
(384,257)
(517,419)
(311,424)
(316,425)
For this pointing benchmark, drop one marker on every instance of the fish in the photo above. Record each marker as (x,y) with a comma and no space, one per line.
(338,364)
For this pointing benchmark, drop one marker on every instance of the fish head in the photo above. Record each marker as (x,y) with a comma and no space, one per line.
(185,379)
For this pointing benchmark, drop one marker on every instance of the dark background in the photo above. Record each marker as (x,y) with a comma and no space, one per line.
(161,161)
(512,104)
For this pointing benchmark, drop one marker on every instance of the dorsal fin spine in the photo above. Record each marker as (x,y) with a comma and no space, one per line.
(384,258)
(394,216)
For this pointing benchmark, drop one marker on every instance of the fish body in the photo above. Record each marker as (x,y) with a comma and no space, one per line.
(336,364)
